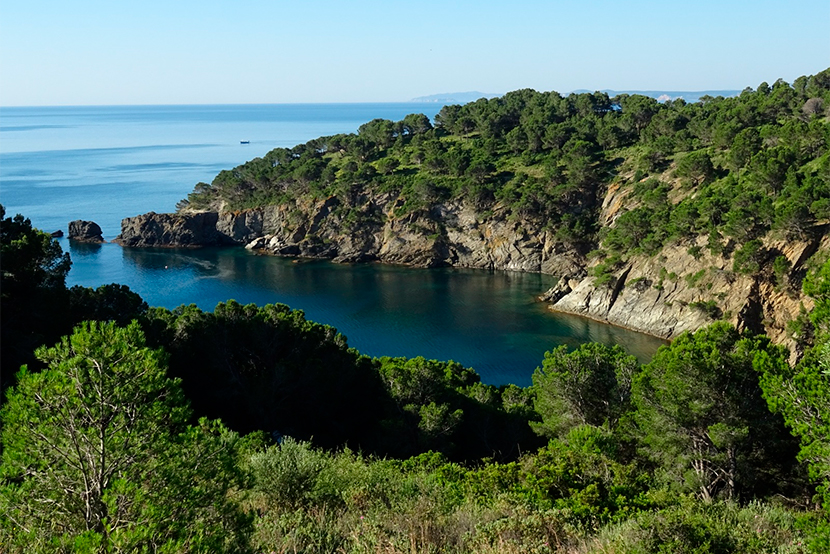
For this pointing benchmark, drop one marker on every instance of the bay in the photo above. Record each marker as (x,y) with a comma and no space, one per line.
(58,164)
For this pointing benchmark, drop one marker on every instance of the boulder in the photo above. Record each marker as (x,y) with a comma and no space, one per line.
(257,244)
(85,231)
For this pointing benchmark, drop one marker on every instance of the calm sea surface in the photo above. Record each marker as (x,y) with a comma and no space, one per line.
(102,164)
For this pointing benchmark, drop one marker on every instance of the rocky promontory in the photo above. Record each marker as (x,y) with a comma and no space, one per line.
(188,230)
(85,231)
(451,234)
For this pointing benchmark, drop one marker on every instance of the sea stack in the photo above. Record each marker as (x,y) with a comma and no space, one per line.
(85,231)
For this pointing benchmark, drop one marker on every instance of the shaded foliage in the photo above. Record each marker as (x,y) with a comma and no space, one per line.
(703,421)
(272,370)
(95,449)
(33,292)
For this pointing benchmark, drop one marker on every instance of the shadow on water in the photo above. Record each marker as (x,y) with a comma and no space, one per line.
(489,320)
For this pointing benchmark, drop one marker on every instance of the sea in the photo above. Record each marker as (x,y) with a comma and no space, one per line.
(104,163)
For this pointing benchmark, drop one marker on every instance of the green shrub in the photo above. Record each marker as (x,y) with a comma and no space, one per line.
(709,307)
(781,267)
(288,473)
(749,257)
(700,527)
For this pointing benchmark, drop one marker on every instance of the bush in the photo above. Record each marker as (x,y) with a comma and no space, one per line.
(749,257)
(694,526)
(288,473)
(709,307)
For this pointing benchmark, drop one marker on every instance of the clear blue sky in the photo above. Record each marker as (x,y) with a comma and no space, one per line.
(70,52)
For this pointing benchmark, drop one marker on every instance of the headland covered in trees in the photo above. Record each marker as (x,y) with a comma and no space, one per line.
(661,217)
(251,429)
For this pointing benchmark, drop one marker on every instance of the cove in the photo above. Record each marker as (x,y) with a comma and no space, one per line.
(488,320)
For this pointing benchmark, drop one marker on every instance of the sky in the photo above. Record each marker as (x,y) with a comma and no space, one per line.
(79,52)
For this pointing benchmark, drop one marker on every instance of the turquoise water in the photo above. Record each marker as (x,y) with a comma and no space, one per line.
(106,163)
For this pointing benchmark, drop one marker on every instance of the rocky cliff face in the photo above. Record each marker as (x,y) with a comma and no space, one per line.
(190,230)
(686,287)
(683,288)
(367,230)
(675,292)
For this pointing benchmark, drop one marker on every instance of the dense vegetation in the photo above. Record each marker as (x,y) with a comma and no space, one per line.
(732,169)
(252,429)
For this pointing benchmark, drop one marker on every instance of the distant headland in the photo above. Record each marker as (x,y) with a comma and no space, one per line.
(455,97)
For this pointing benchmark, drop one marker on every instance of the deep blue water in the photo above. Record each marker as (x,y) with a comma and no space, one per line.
(106,163)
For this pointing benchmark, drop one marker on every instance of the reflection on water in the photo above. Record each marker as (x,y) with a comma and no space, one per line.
(84,249)
(484,319)
(204,263)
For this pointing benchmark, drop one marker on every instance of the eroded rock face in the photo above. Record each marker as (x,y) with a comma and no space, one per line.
(170,230)
(191,229)
(85,231)
(674,292)
(449,234)
(683,288)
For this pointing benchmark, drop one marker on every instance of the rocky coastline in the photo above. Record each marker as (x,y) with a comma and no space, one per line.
(448,235)
(663,295)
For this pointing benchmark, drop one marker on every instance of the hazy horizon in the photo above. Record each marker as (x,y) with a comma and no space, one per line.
(418,100)
(95,53)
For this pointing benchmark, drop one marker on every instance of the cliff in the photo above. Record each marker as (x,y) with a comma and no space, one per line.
(682,288)
(688,285)
(674,292)
(189,230)
(451,234)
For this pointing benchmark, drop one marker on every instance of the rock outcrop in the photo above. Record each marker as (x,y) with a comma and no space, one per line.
(85,231)
(191,229)
(683,288)
(172,230)
(677,291)
(450,234)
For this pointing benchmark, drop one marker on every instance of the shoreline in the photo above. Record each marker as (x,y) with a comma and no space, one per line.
(552,308)
(299,259)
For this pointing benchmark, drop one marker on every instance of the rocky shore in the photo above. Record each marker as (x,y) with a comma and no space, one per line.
(663,295)
(449,235)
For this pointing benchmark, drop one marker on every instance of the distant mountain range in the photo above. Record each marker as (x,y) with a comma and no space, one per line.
(662,95)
